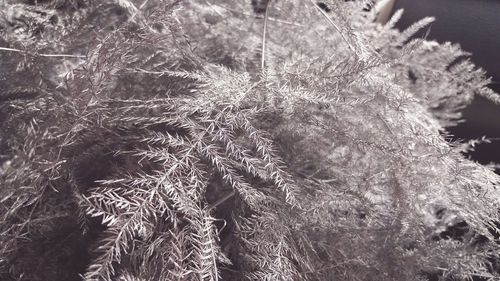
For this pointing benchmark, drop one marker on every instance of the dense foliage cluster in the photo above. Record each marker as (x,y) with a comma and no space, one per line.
(203,140)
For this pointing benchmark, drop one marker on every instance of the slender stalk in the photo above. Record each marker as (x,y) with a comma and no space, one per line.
(263,59)
(251,15)
(325,15)
(222,200)
(42,55)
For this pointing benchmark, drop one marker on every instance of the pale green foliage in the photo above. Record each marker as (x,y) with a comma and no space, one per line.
(170,151)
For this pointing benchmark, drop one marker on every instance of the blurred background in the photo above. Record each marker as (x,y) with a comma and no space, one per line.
(475,25)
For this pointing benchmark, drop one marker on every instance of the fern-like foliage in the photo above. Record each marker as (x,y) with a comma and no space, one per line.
(162,150)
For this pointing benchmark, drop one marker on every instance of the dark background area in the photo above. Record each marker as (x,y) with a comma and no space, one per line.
(475,25)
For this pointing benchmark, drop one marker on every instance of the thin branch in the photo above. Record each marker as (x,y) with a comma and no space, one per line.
(212,6)
(388,128)
(222,200)
(334,25)
(137,11)
(264,36)
(42,55)
(252,15)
